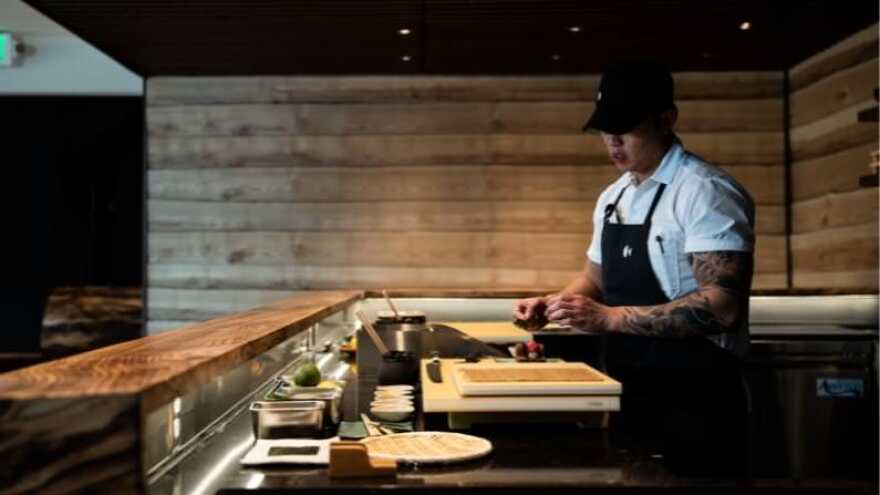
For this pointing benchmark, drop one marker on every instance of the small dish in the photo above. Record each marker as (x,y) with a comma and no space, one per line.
(396,388)
(392,413)
(392,393)
(391,403)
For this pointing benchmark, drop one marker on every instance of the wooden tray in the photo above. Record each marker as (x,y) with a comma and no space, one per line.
(427,447)
(444,397)
(526,379)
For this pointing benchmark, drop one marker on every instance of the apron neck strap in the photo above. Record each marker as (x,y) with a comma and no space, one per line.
(654,203)
(612,207)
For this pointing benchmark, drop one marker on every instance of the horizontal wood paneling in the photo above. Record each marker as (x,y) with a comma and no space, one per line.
(438,118)
(756,148)
(404,249)
(849,52)
(833,173)
(837,91)
(847,280)
(292,183)
(834,222)
(837,132)
(422,183)
(170,304)
(163,91)
(835,210)
(396,216)
(181,304)
(836,249)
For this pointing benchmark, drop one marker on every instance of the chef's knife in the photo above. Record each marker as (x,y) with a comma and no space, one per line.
(434,372)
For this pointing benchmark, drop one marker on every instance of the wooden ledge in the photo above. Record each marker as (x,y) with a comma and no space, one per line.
(160,367)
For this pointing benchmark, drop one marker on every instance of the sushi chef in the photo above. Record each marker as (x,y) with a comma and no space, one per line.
(671,253)
(669,268)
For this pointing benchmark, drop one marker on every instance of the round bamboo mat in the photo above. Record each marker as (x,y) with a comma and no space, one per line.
(428,447)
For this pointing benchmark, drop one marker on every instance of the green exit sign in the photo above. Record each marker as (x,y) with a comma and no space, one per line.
(7,50)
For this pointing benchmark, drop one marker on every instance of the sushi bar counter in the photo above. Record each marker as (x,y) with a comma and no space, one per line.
(428,391)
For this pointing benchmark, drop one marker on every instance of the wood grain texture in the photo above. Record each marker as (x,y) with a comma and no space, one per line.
(396,216)
(160,326)
(404,249)
(836,249)
(850,281)
(164,91)
(837,91)
(855,49)
(755,148)
(334,119)
(76,445)
(835,210)
(834,222)
(277,184)
(301,277)
(469,182)
(837,172)
(840,139)
(79,319)
(160,367)
(170,304)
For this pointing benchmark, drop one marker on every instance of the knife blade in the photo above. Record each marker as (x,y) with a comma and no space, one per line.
(434,371)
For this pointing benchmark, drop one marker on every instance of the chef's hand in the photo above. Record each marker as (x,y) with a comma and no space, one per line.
(530,313)
(527,308)
(580,312)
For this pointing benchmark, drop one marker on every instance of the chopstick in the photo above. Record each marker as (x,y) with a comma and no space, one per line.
(372,428)
(383,349)
(391,305)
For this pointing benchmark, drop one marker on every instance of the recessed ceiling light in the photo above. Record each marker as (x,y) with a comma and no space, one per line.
(404,31)
(556,57)
(745,26)
(575,29)
(406,58)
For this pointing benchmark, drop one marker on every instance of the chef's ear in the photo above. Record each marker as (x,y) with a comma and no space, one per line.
(667,120)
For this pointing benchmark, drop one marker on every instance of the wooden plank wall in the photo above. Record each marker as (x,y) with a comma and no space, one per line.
(260,187)
(834,221)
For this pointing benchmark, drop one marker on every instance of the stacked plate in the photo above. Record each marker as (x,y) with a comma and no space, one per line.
(392,402)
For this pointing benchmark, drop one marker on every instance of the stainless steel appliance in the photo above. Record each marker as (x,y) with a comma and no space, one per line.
(812,379)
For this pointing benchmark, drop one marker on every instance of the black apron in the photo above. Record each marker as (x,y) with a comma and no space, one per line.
(678,392)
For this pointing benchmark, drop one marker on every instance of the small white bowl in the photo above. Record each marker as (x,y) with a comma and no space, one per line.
(392,394)
(391,403)
(392,413)
(397,388)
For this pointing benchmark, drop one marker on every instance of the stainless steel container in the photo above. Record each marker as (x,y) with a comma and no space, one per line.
(287,419)
(332,399)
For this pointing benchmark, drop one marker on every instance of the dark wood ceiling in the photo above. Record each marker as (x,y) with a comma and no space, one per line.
(214,37)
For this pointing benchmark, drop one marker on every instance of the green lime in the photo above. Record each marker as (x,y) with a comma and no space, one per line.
(307,375)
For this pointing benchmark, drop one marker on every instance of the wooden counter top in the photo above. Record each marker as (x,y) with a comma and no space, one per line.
(159,367)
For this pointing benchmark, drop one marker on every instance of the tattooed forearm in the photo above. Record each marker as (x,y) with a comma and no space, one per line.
(719,305)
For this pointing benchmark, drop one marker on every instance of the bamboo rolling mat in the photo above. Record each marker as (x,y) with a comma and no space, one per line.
(531,375)
(427,447)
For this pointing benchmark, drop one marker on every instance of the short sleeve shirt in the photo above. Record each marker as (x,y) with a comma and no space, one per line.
(702,209)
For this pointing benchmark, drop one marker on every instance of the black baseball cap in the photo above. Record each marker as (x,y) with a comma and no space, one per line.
(629,92)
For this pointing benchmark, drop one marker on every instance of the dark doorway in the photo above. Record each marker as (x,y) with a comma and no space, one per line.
(72,203)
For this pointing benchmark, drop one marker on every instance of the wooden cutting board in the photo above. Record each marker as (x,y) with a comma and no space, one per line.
(445,397)
(491,332)
(488,378)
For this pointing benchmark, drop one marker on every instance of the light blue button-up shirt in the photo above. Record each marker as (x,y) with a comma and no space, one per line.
(702,209)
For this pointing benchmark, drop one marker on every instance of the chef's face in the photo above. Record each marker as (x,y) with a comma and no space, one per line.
(641,149)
